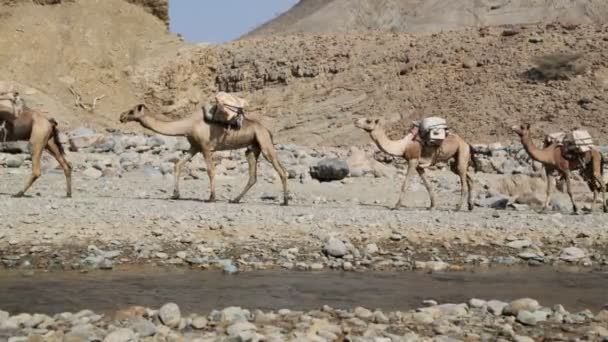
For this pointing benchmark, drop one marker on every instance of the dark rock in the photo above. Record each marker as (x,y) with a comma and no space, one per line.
(329,170)
(15,147)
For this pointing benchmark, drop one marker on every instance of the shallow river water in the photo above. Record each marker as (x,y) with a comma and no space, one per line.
(202,291)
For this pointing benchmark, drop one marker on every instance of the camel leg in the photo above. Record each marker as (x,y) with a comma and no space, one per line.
(549,179)
(36,170)
(594,190)
(252,154)
(411,166)
(599,186)
(271,155)
(208,155)
(470,191)
(65,165)
(178,170)
(463,189)
(569,189)
(461,171)
(427,185)
(603,190)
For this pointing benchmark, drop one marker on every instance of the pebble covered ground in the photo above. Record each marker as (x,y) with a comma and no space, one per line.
(121,213)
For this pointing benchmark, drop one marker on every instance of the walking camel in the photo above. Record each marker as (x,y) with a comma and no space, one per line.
(413,151)
(206,138)
(552,157)
(21,123)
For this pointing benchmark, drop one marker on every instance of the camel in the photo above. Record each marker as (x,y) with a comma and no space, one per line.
(412,149)
(552,157)
(21,123)
(206,138)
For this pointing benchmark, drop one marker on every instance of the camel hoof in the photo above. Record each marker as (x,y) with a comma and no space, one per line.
(284,204)
(68,196)
(19,194)
(470,207)
(234,201)
(211,200)
(175,196)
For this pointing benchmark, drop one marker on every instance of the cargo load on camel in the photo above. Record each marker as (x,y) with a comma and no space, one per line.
(578,141)
(555,138)
(433,130)
(11,106)
(228,110)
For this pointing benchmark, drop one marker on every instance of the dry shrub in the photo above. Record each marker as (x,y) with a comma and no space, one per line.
(558,66)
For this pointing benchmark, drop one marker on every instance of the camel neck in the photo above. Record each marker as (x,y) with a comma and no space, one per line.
(392,147)
(535,153)
(171,128)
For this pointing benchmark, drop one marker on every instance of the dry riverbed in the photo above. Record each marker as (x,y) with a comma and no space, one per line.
(121,216)
(340,225)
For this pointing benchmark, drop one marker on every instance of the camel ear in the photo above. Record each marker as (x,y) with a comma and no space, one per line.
(527,126)
(377,121)
(141,107)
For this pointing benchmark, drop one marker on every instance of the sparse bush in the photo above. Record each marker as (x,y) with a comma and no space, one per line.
(559,66)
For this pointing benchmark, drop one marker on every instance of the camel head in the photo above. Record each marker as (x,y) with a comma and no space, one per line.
(521,130)
(133,114)
(415,127)
(367,124)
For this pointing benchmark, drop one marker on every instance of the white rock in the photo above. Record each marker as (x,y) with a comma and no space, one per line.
(92,173)
(239,328)
(519,244)
(572,254)
(518,305)
(477,303)
(121,335)
(199,322)
(496,307)
(170,315)
(335,247)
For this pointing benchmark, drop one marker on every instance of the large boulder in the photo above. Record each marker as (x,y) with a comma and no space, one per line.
(83,138)
(329,169)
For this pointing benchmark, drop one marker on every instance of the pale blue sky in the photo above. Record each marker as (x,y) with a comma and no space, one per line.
(217,21)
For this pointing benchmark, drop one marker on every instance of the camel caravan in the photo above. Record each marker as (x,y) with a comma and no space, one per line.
(224,125)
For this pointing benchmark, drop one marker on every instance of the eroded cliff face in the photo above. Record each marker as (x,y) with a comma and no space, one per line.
(50,46)
(160,8)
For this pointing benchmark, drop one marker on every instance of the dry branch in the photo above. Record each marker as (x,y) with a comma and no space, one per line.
(86,106)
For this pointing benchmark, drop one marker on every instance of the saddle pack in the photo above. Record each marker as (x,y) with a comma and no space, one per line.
(433,130)
(555,138)
(228,110)
(578,141)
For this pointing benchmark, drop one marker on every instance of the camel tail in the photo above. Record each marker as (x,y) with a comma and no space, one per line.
(474,161)
(56,136)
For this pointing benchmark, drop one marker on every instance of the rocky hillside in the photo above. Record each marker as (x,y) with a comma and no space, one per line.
(308,88)
(334,16)
(86,45)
